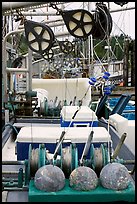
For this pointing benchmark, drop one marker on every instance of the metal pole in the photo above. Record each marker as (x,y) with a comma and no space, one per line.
(126,62)
(132,63)
(54,14)
(87,146)
(6,116)
(108,42)
(118,147)
(13,162)
(17,70)
(9,6)
(30,70)
(4,59)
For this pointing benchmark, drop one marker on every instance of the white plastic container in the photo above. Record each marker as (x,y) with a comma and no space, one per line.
(50,136)
(84,117)
(119,122)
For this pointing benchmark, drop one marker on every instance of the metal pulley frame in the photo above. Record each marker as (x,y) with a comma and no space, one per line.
(99,157)
(69,159)
(36,159)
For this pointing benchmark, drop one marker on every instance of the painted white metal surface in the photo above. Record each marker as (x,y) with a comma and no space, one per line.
(65,88)
(8,151)
(130,139)
(119,122)
(123,125)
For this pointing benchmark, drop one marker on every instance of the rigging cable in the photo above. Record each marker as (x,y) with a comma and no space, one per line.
(102,39)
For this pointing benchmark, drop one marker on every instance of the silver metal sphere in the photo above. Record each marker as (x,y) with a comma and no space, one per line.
(114,176)
(83,179)
(49,178)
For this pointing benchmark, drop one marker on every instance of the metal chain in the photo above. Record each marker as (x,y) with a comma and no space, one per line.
(54,6)
(20,16)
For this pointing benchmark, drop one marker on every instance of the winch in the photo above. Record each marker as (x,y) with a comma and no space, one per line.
(67,162)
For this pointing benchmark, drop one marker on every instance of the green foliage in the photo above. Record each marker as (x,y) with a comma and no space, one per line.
(23,46)
(9,40)
(116,43)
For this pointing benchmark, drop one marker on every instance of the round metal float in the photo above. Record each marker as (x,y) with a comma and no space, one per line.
(83,179)
(49,178)
(114,176)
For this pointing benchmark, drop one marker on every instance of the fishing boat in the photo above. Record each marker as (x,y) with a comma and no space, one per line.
(57,146)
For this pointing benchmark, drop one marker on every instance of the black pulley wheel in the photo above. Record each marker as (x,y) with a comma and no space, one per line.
(79,22)
(103,22)
(66,46)
(48,54)
(39,36)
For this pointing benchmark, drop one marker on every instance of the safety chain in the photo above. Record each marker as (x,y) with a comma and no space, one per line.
(19,17)
(54,6)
